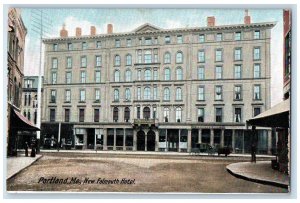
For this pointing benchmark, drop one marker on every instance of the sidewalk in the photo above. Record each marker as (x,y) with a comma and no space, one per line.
(17,164)
(260,172)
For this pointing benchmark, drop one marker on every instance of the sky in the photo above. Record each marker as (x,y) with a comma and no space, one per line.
(125,20)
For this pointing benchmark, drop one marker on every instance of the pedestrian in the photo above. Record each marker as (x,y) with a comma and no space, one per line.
(26,149)
(33,148)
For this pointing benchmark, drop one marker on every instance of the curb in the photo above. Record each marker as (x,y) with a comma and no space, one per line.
(23,168)
(261,181)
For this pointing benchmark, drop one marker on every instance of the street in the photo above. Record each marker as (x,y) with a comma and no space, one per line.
(77,172)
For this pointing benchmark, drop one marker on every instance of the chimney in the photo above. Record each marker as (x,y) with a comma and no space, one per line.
(78,32)
(247,18)
(93,30)
(109,28)
(211,21)
(63,31)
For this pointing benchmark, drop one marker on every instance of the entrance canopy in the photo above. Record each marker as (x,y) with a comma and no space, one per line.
(277,116)
(20,122)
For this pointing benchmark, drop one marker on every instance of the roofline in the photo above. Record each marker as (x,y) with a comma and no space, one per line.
(193,29)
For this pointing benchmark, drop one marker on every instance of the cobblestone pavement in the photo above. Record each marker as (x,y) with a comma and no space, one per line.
(140,173)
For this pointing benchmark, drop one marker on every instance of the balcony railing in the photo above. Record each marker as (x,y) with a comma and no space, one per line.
(144,121)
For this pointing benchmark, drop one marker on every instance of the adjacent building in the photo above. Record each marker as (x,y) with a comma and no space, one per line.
(155,89)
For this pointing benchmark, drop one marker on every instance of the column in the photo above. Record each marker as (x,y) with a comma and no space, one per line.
(243,150)
(115,139)
(156,140)
(145,141)
(95,142)
(124,139)
(167,148)
(105,139)
(222,138)
(199,135)
(134,140)
(189,141)
(233,141)
(269,140)
(211,136)
(179,133)
(84,140)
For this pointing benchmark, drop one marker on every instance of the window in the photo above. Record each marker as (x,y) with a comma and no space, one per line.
(128,42)
(69,62)
(117,60)
(139,93)
(98,61)
(139,73)
(97,76)
(201,38)
(154,93)
(83,61)
(167,94)
(146,112)
(70,46)
(219,112)
(147,93)
(148,56)
(147,74)
(201,56)
(68,77)
(178,114)
(155,74)
(256,53)
(238,54)
(55,47)
(154,112)
(179,75)
(139,56)
(138,112)
(96,115)
(82,76)
(126,114)
(166,114)
(167,58)
(219,72)
(256,73)
(167,39)
(167,74)
(179,39)
(117,43)
(127,94)
(116,95)
(54,77)
(218,55)
(28,115)
(128,60)
(237,92)
(256,111)
(155,40)
(53,96)
(155,55)
(84,45)
(115,114)
(237,36)
(52,115)
(98,44)
(237,72)
(117,76)
(179,57)
(140,41)
(81,115)
(128,75)
(256,34)
(237,115)
(256,92)
(54,63)
(67,115)
(82,96)
(218,93)
(25,100)
(148,41)
(201,73)
(97,95)
(200,114)
(219,37)
(178,94)
(68,96)
(201,93)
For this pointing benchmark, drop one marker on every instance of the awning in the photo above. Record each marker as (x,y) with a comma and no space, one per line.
(277,116)
(20,122)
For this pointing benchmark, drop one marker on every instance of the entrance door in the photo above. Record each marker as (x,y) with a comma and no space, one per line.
(140,141)
(90,138)
(150,141)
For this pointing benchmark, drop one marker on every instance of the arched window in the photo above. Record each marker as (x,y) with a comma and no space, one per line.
(179,57)
(126,114)
(147,93)
(117,60)
(128,75)
(146,112)
(178,93)
(115,114)
(167,94)
(167,57)
(116,95)
(178,114)
(147,74)
(167,74)
(179,75)
(128,60)
(166,114)
(117,76)
(127,94)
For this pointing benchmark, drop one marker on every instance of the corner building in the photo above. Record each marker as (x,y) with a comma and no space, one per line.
(157,89)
